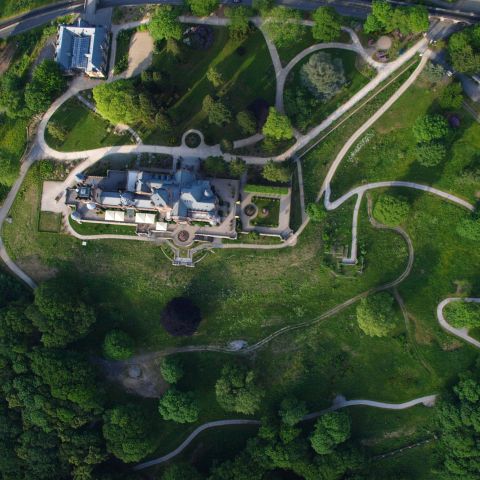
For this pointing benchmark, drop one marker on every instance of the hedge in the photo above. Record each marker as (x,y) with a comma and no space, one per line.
(250,188)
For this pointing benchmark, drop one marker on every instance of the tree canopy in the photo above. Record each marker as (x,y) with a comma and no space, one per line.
(451,96)
(216,111)
(316,212)
(463,314)
(164,23)
(239,26)
(128,432)
(375,315)
(171,369)
(330,430)
(181,317)
(277,126)
(276,172)
(391,209)
(237,390)
(430,127)
(215,167)
(323,75)
(118,345)
(202,8)
(464,50)
(283,25)
(292,411)
(469,228)
(178,406)
(327,26)
(430,154)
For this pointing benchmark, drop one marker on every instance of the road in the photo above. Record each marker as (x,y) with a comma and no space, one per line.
(465,10)
(339,402)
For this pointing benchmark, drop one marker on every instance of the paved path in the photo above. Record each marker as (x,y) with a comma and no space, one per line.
(458,332)
(339,402)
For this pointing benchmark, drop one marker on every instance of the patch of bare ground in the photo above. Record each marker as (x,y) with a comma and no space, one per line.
(401,432)
(36,269)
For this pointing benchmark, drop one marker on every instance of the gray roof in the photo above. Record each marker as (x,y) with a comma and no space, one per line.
(82,48)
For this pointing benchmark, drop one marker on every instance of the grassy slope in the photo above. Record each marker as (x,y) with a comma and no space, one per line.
(85,129)
(390,153)
(248,76)
(10,8)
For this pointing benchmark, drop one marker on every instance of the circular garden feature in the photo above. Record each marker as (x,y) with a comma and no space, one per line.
(183,236)
(193,140)
(250,210)
(181,317)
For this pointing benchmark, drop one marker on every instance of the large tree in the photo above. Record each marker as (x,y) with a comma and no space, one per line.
(118,345)
(128,431)
(181,407)
(164,23)
(375,315)
(430,127)
(323,75)
(277,126)
(238,27)
(283,25)
(464,50)
(327,26)
(202,8)
(60,314)
(237,390)
(330,430)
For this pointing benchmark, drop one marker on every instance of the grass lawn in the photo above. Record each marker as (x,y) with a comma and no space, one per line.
(85,129)
(245,67)
(86,228)
(50,222)
(268,212)
(355,81)
(387,151)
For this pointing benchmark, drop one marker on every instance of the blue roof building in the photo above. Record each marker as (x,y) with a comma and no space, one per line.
(83,48)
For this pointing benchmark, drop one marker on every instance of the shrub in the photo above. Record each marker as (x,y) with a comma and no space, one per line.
(215,167)
(118,345)
(391,210)
(316,212)
(462,314)
(237,167)
(171,369)
(430,154)
(469,228)
(202,8)
(327,26)
(276,172)
(430,127)
(178,406)
(164,24)
(375,315)
(323,75)
(247,123)
(331,429)
(277,126)
(216,111)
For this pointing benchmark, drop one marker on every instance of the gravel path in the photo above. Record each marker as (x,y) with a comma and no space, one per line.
(339,402)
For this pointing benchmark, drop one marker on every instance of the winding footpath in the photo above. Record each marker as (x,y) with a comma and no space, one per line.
(458,332)
(339,402)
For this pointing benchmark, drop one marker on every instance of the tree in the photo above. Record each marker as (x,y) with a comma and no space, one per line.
(292,411)
(118,345)
(434,72)
(226,145)
(327,26)
(171,369)
(163,122)
(463,314)
(330,430)
(239,26)
(117,101)
(164,24)
(12,94)
(430,154)
(181,317)
(277,126)
(469,228)
(263,6)
(128,432)
(178,406)
(452,96)
(237,167)
(46,84)
(247,122)
(181,471)
(60,313)
(216,111)
(316,212)
(215,167)
(323,75)
(430,127)
(390,209)
(375,315)
(214,77)
(276,172)
(464,50)
(202,8)
(283,25)
(237,391)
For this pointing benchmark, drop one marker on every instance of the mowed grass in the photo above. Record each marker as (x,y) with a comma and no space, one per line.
(388,150)
(247,71)
(268,211)
(85,129)
(355,81)
(86,228)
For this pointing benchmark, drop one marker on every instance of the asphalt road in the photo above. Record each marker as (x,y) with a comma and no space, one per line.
(463,10)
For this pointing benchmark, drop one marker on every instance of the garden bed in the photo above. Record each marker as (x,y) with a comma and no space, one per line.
(268,212)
